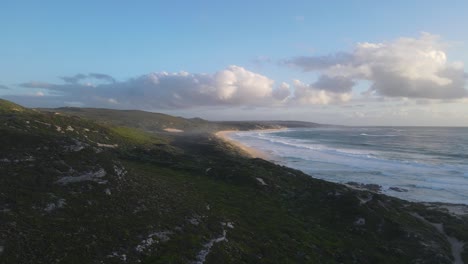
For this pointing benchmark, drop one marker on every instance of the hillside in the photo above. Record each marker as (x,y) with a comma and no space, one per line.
(157,122)
(151,122)
(107,186)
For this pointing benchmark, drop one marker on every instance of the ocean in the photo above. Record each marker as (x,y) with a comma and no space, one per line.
(414,163)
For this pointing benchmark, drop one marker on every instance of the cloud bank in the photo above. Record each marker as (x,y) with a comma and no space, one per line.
(233,86)
(414,68)
(406,67)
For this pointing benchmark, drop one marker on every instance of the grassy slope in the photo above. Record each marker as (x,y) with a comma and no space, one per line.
(187,186)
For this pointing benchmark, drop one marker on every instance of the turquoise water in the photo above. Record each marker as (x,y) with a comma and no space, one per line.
(430,163)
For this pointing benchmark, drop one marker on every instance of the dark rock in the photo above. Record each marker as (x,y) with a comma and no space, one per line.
(373,187)
(370,186)
(397,189)
(354,184)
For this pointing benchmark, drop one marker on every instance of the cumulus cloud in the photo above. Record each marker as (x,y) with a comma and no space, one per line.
(414,68)
(233,86)
(3,87)
(237,85)
(283,92)
(406,67)
(309,94)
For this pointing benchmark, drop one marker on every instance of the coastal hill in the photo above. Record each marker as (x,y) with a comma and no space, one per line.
(110,186)
(157,122)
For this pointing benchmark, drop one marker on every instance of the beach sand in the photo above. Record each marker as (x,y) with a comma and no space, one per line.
(251,152)
(173,130)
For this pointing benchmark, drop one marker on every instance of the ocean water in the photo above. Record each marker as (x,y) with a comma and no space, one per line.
(431,163)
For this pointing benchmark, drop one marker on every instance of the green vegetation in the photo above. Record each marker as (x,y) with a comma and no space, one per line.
(107,190)
(145,121)
(7,107)
(136,136)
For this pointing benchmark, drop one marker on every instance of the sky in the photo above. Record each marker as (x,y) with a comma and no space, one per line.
(335,62)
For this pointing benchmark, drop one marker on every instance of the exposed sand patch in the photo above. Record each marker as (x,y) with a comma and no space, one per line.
(201,256)
(261,181)
(156,237)
(173,130)
(107,145)
(89,176)
(251,152)
(456,245)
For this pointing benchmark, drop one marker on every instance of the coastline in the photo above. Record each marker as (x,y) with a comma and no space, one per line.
(249,151)
(454,209)
(366,167)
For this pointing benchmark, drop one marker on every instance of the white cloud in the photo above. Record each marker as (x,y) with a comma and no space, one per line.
(283,92)
(406,67)
(233,86)
(406,71)
(308,94)
(237,85)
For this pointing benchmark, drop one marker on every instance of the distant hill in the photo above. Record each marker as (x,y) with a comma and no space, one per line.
(157,122)
(134,118)
(248,125)
(94,186)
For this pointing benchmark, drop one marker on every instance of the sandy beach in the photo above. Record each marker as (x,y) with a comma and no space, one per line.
(252,152)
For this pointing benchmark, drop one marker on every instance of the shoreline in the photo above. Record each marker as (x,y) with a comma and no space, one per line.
(456,209)
(249,151)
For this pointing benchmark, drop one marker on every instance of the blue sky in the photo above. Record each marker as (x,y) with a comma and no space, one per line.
(240,59)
